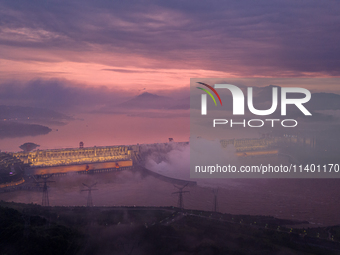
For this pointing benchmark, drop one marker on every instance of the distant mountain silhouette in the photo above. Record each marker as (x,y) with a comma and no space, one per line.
(148,101)
(265,93)
(324,101)
(319,101)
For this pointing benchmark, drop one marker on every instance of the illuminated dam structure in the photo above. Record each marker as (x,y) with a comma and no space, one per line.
(251,144)
(77,159)
(112,158)
(96,159)
(266,146)
(57,157)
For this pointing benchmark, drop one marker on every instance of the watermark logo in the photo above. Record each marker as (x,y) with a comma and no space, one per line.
(204,97)
(238,99)
(239,104)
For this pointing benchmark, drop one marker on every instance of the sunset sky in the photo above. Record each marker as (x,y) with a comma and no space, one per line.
(160,45)
(93,57)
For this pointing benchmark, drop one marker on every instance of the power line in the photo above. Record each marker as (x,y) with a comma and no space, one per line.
(45,199)
(89,196)
(180,203)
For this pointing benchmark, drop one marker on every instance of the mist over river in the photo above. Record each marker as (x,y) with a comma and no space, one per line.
(314,200)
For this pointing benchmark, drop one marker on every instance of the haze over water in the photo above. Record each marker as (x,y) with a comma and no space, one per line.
(314,200)
(106,130)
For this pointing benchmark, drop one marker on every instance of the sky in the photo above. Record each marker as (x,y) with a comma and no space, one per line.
(129,46)
(92,56)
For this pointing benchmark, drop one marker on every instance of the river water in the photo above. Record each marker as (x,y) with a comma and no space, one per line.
(314,200)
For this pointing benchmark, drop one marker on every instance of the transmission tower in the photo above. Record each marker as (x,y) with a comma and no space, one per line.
(45,200)
(89,197)
(180,203)
(215,205)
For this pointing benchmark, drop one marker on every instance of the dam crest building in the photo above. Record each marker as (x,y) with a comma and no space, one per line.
(57,157)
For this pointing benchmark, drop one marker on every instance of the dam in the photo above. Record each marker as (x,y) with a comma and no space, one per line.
(90,160)
(267,145)
(117,158)
(71,156)
(61,161)
(107,157)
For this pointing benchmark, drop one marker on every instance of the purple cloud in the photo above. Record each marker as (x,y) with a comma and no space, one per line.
(285,38)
